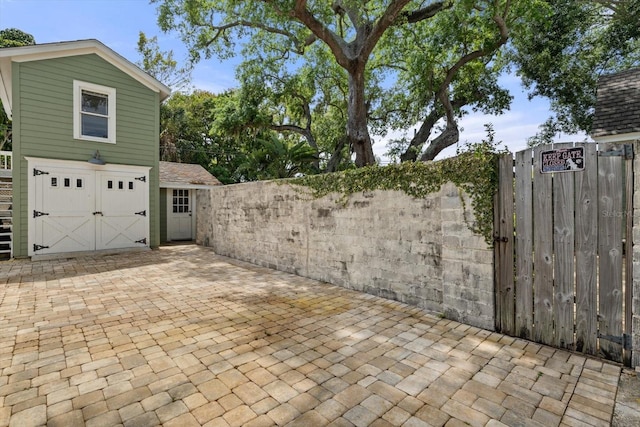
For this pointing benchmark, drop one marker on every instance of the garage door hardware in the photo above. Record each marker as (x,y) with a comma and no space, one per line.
(36,214)
(39,247)
(98,213)
(142,213)
(143,241)
(142,178)
(37,172)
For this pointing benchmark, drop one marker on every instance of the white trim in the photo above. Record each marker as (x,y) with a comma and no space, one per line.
(192,207)
(5,86)
(78,87)
(186,186)
(75,164)
(623,137)
(39,52)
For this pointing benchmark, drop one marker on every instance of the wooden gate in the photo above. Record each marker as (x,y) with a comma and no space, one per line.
(563,217)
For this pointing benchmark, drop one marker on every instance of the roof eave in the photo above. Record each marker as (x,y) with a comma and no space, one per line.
(621,137)
(187,186)
(81,47)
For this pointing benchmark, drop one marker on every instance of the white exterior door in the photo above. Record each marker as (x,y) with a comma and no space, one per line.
(76,206)
(62,216)
(121,205)
(180,214)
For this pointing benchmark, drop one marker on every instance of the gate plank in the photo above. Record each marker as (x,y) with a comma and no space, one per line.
(563,240)
(586,221)
(610,186)
(504,247)
(524,245)
(543,252)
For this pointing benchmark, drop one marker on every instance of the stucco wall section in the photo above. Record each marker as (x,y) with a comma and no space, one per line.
(385,243)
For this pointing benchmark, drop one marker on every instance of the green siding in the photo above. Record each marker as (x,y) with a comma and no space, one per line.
(43,126)
(163,214)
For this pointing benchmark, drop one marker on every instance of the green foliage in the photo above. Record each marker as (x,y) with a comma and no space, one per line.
(334,72)
(12,37)
(276,158)
(161,65)
(474,170)
(566,46)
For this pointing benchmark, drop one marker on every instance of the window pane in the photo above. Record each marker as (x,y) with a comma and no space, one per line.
(175,209)
(109,184)
(95,126)
(120,185)
(79,183)
(54,181)
(93,102)
(67,182)
(130,185)
(175,193)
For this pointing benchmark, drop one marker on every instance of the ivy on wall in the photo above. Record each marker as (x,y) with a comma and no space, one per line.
(474,170)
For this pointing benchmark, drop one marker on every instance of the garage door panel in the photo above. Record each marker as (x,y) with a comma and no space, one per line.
(120,232)
(63,212)
(77,208)
(122,200)
(67,234)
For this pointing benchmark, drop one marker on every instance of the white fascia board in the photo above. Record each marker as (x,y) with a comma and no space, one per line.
(76,164)
(84,47)
(623,137)
(5,86)
(183,186)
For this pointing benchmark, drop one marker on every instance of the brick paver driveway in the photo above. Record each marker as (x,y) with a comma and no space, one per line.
(183,337)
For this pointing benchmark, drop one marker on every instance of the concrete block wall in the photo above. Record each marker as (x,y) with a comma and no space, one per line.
(417,251)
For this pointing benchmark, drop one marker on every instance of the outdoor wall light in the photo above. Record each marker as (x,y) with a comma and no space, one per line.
(96,160)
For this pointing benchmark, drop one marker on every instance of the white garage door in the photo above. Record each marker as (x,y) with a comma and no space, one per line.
(122,203)
(75,206)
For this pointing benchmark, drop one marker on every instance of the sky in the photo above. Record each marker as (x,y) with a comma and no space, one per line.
(117,23)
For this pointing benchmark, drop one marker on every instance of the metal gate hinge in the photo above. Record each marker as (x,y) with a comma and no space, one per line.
(39,247)
(143,241)
(142,213)
(141,178)
(625,151)
(37,172)
(36,214)
(624,340)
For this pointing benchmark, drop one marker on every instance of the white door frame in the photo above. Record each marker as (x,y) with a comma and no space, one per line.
(192,207)
(43,163)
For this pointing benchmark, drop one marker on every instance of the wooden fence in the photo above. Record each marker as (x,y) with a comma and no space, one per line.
(563,215)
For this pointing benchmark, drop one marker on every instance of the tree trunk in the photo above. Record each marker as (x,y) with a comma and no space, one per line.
(357,131)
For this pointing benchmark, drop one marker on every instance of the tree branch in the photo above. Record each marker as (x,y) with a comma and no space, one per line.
(425,13)
(336,44)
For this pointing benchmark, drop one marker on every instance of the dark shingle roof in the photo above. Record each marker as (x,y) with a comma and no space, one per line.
(184,173)
(618,104)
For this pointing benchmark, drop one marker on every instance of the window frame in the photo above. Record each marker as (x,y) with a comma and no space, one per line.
(110,93)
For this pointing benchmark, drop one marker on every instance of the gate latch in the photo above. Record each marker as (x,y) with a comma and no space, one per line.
(501,239)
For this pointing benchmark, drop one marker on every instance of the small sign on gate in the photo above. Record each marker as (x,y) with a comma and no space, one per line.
(562,160)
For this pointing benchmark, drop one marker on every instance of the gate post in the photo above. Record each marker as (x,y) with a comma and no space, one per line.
(633,251)
(503,247)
